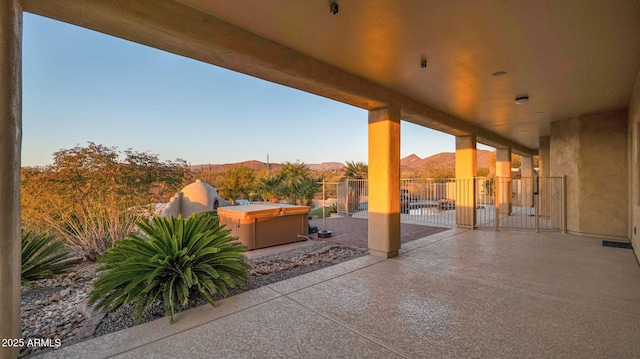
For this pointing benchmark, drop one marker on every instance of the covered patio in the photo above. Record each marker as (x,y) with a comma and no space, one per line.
(553,79)
(456,294)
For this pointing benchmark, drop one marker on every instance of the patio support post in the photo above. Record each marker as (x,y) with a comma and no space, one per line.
(10,142)
(544,172)
(503,174)
(384,182)
(466,170)
(527,181)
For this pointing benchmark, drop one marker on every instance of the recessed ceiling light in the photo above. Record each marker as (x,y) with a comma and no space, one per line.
(499,73)
(522,100)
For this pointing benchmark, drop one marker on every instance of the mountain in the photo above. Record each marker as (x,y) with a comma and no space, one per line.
(257,165)
(409,163)
(440,160)
(253,164)
(326,166)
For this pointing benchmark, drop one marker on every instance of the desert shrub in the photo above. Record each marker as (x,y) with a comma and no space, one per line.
(92,228)
(44,256)
(171,259)
(86,195)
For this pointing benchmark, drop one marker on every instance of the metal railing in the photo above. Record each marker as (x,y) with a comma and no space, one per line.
(517,203)
(428,200)
(353,196)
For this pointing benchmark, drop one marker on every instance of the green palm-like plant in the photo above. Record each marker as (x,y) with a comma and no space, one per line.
(305,188)
(269,187)
(356,170)
(44,256)
(170,259)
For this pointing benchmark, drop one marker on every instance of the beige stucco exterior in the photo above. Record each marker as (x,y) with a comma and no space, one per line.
(194,198)
(526,172)
(503,175)
(598,153)
(591,151)
(466,170)
(10,143)
(384,182)
(544,153)
(634,169)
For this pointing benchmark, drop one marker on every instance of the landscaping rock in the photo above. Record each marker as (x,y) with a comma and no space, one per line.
(58,308)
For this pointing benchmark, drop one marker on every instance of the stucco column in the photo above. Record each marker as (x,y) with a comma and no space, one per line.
(544,159)
(384,182)
(527,181)
(10,141)
(503,177)
(544,171)
(466,170)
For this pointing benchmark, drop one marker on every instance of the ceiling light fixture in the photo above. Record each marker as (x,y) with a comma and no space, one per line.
(333,7)
(522,100)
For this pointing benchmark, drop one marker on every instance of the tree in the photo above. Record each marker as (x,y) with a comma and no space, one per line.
(293,181)
(294,170)
(88,195)
(439,172)
(269,187)
(238,182)
(483,172)
(516,161)
(291,174)
(355,170)
(305,189)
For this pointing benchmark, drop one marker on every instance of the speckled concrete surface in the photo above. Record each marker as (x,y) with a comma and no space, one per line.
(463,294)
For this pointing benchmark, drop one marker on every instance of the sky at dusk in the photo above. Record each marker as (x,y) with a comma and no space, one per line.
(80,86)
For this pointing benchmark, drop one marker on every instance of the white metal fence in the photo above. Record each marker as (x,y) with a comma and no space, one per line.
(353,196)
(518,203)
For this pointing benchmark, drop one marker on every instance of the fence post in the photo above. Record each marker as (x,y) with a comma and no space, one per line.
(536,207)
(346,201)
(497,202)
(564,204)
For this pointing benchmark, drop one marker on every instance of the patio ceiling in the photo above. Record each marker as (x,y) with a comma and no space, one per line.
(568,57)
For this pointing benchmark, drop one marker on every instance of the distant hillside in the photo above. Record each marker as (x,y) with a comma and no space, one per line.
(409,163)
(257,165)
(253,164)
(326,166)
(440,160)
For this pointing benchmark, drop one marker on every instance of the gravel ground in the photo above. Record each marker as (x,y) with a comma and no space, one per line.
(56,309)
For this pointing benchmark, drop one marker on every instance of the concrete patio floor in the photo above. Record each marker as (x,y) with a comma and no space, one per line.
(456,294)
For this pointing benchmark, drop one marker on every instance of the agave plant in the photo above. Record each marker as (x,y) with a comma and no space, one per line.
(170,259)
(44,256)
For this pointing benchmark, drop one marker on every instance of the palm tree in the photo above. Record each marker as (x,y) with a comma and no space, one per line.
(291,175)
(305,189)
(294,170)
(355,170)
(269,187)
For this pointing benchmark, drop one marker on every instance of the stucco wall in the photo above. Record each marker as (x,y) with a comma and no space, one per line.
(563,158)
(592,151)
(634,168)
(603,169)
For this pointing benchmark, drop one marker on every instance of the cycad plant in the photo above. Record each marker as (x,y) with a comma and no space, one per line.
(44,256)
(170,259)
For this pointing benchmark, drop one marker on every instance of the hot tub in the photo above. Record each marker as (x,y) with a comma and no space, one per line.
(265,225)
